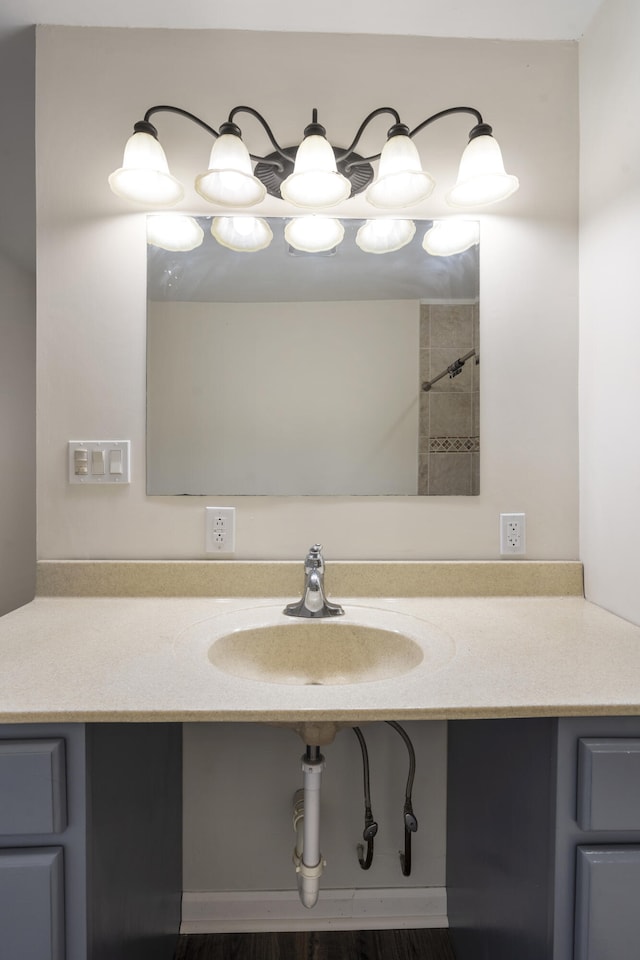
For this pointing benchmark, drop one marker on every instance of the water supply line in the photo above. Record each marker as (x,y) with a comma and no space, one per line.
(410,821)
(370,825)
(306,823)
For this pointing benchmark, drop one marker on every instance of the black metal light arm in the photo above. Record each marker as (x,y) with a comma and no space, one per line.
(267,129)
(163,108)
(399,127)
(145,126)
(446,113)
(343,154)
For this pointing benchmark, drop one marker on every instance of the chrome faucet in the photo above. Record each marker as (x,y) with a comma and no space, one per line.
(313,602)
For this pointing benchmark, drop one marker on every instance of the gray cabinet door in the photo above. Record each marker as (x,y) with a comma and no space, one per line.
(33,795)
(607,903)
(32,903)
(609,783)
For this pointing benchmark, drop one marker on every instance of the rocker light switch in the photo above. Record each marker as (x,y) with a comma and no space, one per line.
(115,461)
(99,461)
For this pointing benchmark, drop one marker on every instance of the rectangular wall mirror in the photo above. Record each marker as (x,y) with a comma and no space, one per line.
(286,374)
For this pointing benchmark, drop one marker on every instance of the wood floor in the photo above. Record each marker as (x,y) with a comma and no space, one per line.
(425,944)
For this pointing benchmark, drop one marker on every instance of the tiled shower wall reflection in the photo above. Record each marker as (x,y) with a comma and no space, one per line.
(449,443)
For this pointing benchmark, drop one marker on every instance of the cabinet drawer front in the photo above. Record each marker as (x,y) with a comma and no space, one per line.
(609,784)
(32,903)
(32,787)
(607,896)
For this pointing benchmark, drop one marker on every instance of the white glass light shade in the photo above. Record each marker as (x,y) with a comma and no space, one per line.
(144,175)
(315,181)
(447,237)
(244,234)
(314,234)
(481,177)
(173,231)
(229,181)
(401,181)
(385,236)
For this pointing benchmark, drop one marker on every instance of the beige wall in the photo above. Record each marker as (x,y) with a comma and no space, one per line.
(93,84)
(609,321)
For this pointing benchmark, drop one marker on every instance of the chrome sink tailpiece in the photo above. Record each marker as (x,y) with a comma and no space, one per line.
(313,602)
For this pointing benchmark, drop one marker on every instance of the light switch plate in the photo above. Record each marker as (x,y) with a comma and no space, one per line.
(99,461)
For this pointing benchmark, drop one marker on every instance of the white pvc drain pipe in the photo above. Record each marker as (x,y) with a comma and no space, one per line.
(306,822)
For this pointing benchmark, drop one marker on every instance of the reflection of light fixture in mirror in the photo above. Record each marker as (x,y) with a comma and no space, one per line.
(447,237)
(144,175)
(316,174)
(385,236)
(481,178)
(229,180)
(173,231)
(314,234)
(244,234)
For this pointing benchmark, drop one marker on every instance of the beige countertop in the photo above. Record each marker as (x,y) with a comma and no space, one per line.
(145,658)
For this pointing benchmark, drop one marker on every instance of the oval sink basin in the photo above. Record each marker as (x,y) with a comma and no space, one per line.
(315,652)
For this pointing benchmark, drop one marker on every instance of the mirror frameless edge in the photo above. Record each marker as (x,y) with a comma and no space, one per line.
(286,374)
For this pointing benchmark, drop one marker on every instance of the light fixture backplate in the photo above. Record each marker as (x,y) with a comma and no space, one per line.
(359,176)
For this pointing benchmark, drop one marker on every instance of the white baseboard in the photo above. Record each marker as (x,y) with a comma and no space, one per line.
(263,911)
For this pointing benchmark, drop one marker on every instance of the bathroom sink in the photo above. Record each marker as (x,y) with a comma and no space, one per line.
(315,652)
(367,644)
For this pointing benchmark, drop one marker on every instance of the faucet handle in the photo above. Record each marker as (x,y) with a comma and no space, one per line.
(314,559)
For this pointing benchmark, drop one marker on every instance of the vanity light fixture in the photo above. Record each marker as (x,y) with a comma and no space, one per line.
(315,176)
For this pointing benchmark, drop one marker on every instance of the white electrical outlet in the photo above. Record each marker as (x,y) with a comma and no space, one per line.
(512,534)
(220,529)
